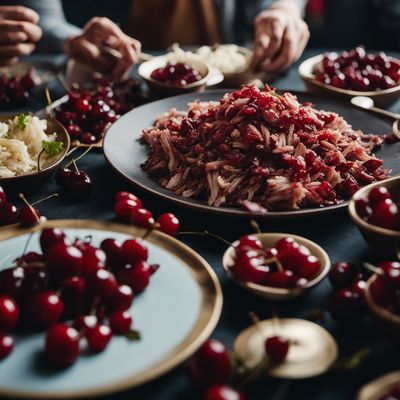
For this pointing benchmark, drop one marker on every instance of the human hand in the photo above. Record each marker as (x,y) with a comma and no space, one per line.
(18,33)
(280,37)
(98,34)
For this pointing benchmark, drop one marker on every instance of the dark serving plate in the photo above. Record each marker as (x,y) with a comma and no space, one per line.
(125,152)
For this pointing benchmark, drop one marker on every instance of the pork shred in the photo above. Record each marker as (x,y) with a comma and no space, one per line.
(261,151)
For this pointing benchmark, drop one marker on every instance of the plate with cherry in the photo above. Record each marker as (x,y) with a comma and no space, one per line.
(386,387)
(94,307)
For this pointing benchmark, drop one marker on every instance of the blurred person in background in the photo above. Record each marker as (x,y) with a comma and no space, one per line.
(275,26)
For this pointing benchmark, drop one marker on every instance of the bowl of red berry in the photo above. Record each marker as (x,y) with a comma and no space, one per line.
(276,266)
(166,78)
(376,211)
(353,73)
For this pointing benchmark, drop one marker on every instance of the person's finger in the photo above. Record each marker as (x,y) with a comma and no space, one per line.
(19,13)
(305,36)
(261,44)
(287,55)
(126,62)
(12,37)
(32,31)
(100,27)
(137,47)
(16,50)
(275,30)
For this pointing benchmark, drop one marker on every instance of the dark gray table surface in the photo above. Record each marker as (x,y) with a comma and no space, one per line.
(335,233)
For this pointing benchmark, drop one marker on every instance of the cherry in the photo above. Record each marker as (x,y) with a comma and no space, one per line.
(382,293)
(285,243)
(3,196)
(133,250)
(391,269)
(136,276)
(248,268)
(363,208)
(9,314)
(222,392)
(210,364)
(386,215)
(128,195)
(142,217)
(344,274)
(251,241)
(88,138)
(45,309)
(8,214)
(346,305)
(277,348)
(102,283)
(74,131)
(29,258)
(6,345)
(11,281)
(83,106)
(123,209)
(51,236)
(77,185)
(168,224)
(112,248)
(62,345)
(61,175)
(279,279)
(309,267)
(98,337)
(84,322)
(292,256)
(93,259)
(120,322)
(73,294)
(378,194)
(64,261)
(121,299)
(29,216)
(36,279)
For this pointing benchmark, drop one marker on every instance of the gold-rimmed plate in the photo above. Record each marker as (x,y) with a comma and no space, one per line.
(379,387)
(171,329)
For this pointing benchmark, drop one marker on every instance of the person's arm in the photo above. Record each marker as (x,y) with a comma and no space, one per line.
(52,21)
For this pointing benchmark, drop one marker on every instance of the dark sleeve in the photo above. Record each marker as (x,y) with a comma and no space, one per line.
(52,20)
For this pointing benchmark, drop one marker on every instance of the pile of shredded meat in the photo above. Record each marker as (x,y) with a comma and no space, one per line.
(261,151)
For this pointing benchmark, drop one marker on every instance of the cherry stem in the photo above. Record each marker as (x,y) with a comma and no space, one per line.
(27,244)
(254,224)
(71,151)
(156,225)
(44,199)
(206,233)
(373,268)
(75,166)
(49,102)
(23,198)
(75,160)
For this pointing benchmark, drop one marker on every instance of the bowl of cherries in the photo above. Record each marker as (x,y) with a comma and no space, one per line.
(276,266)
(353,73)
(165,78)
(376,211)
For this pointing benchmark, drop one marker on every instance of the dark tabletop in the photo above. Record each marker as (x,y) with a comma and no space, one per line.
(335,233)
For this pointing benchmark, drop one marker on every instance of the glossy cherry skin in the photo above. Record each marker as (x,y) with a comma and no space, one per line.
(279,279)
(248,268)
(84,322)
(62,345)
(222,392)
(391,269)
(309,267)
(8,214)
(62,175)
(29,216)
(134,250)
(93,259)
(347,305)
(6,345)
(36,278)
(363,208)
(120,322)
(386,215)
(142,217)
(211,364)
(121,299)
(45,309)
(112,249)
(9,314)
(77,185)
(51,236)
(123,209)
(29,258)
(136,276)
(251,241)
(277,348)
(102,283)
(292,256)
(344,274)
(11,281)
(169,224)
(285,243)
(3,196)
(378,194)
(128,195)
(98,337)
(74,294)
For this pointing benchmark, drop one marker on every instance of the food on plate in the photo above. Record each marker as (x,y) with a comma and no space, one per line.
(22,140)
(88,113)
(262,151)
(75,291)
(358,70)
(380,208)
(227,58)
(176,74)
(285,265)
(15,90)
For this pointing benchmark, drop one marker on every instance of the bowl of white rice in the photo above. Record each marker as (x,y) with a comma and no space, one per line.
(30,150)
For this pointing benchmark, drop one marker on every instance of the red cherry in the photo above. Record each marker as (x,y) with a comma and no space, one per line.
(74,131)
(93,259)
(51,236)
(62,344)
(346,305)
(168,224)
(382,293)
(11,281)
(134,250)
(211,364)
(285,243)
(136,276)
(120,322)
(363,208)
(30,258)
(73,294)
(128,195)
(292,257)
(112,248)
(378,194)
(29,216)
(9,314)
(45,309)
(343,274)
(88,138)
(309,267)
(102,283)
(77,185)
(84,322)
(6,345)
(142,217)
(83,106)
(98,337)
(8,214)
(222,392)
(3,196)
(391,269)
(123,209)
(279,279)
(251,241)
(277,348)
(121,299)
(36,279)
(386,215)
(249,268)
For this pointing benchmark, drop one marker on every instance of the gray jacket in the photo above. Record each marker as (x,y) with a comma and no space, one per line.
(236,17)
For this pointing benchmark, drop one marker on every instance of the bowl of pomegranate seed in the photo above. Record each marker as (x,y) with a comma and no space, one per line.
(353,73)
(376,211)
(276,266)
(168,78)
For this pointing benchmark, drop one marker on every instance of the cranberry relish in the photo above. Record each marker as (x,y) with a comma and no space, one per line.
(260,148)
(179,74)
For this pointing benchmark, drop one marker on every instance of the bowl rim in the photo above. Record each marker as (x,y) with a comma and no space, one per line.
(376,308)
(310,77)
(146,77)
(361,222)
(50,167)
(269,290)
